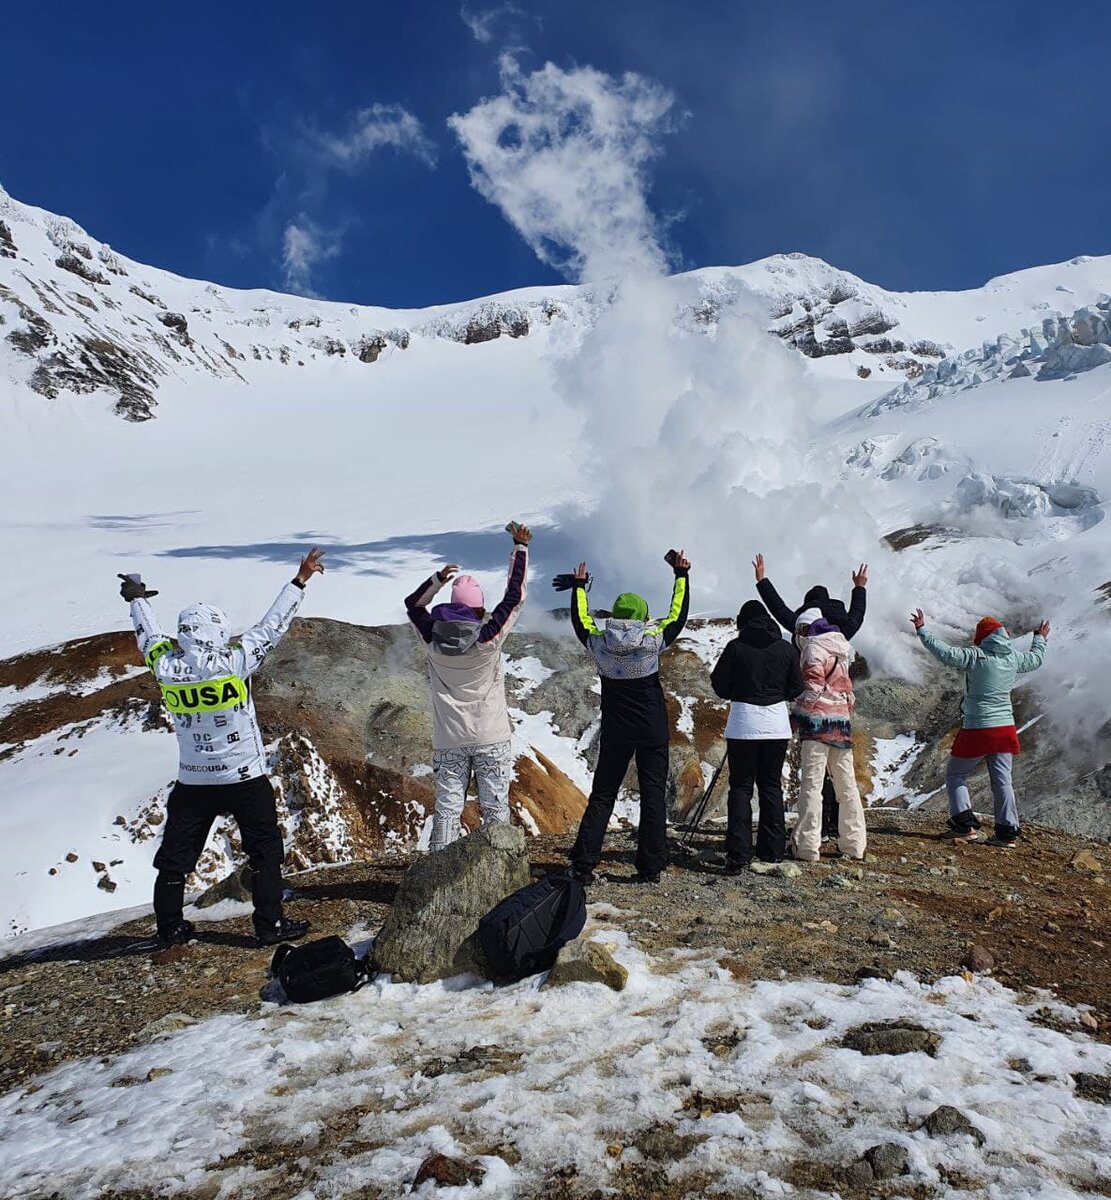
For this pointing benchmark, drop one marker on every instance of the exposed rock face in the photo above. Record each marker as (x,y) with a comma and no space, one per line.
(236,886)
(71,262)
(441,900)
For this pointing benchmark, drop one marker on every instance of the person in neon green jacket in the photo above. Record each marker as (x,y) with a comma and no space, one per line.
(634,720)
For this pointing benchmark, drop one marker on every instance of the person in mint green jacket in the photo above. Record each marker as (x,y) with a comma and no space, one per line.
(991,668)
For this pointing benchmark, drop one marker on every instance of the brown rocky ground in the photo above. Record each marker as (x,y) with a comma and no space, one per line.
(916,905)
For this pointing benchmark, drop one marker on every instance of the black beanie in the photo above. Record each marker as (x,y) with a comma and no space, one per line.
(816,597)
(750,610)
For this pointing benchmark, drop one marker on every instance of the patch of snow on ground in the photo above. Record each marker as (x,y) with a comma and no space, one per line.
(685,721)
(707,641)
(13,697)
(81,777)
(537,731)
(584,1069)
(528,673)
(891,764)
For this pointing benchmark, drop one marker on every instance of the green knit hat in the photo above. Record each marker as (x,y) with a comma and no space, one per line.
(630,607)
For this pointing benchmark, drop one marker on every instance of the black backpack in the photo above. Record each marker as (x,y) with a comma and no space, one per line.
(326,967)
(525,932)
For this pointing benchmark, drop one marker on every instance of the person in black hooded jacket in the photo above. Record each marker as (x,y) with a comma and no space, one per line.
(758,672)
(847,620)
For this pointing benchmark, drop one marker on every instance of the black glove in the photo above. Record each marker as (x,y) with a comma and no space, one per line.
(133,588)
(565,582)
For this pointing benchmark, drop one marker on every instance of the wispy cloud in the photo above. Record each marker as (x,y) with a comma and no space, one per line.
(482,22)
(379,127)
(563,154)
(302,225)
(304,247)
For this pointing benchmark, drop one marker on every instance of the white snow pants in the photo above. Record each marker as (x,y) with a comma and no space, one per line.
(807,837)
(492,767)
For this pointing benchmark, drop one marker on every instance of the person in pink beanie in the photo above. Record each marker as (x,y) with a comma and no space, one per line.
(470,720)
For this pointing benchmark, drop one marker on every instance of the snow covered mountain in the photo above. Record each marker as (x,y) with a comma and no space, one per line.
(205,436)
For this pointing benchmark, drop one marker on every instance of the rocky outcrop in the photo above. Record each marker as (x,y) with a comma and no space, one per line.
(99,364)
(73,263)
(442,898)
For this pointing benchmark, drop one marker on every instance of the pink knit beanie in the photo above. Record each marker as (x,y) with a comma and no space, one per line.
(465,590)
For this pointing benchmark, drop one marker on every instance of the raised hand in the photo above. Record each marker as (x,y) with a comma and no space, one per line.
(521,534)
(860,576)
(581,572)
(447,572)
(133,588)
(917,618)
(758,567)
(1043,629)
(310,566)
(679,561)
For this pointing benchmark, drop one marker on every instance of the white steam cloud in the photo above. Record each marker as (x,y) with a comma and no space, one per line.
(704,436)
(692,436)
(563,155)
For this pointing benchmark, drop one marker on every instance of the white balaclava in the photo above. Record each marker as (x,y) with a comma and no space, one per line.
(203,626)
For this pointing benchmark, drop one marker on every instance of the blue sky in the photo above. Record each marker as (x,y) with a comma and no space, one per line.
(919,145)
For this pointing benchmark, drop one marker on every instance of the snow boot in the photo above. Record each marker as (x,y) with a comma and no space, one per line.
(176,935)
(646,877)
(735,865)
(584,876)
(286,930)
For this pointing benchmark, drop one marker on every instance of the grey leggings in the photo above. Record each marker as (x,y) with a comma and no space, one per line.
(1003,793)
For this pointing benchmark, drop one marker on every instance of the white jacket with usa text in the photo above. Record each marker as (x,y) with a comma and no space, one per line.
(204,679)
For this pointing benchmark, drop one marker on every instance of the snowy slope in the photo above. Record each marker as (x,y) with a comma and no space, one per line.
(249,456)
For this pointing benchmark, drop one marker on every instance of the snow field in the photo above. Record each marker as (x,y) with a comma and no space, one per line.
(572,1072)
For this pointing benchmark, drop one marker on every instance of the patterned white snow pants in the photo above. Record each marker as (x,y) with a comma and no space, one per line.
(852,838)
(492,767)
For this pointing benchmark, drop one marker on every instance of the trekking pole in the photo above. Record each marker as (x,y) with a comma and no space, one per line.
(701,806)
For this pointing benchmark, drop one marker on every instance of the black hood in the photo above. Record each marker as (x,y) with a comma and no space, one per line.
(815,598)
(759,631)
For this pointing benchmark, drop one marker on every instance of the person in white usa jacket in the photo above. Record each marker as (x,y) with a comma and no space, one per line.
(204,679)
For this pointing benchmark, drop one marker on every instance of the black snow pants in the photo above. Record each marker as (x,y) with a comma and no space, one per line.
(759,763)
(190,812)
(613,761)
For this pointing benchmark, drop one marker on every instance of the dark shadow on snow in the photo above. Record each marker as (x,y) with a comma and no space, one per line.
(482,550)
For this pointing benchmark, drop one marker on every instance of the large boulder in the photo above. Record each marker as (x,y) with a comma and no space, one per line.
(441,899)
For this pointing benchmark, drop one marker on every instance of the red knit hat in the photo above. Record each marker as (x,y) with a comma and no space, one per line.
(986,627)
